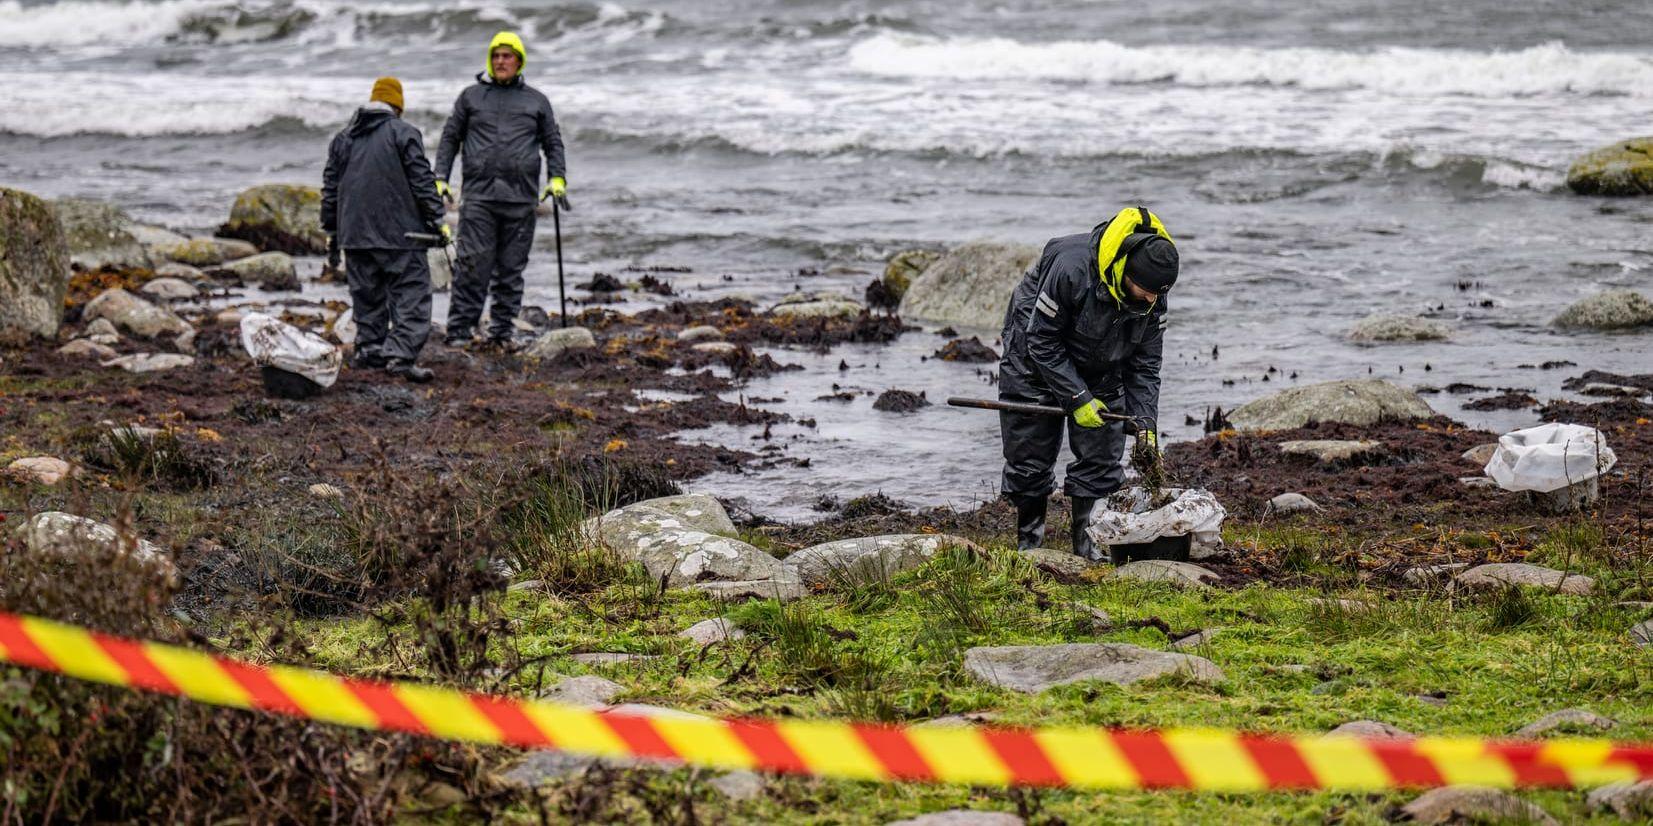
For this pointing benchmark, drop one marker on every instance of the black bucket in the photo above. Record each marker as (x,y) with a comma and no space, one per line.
(1174,548)
(285,384)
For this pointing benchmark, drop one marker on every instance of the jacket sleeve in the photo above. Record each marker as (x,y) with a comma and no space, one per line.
(551,143)
(453,136)
(1140,375)
(420,178)
(1052,315)
(330,177)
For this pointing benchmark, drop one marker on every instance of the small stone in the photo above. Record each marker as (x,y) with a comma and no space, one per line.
(1481,454)
(1474,804)
(526,585)
(1430,700)
(1371,730)
(322,490)
(1567,718)
(1475,482)
(1180,574)
(589,691)
(739,785)
(542,768)
(39,470)
(88,347)
(1426,575)
(1195,640)
(816,305)
(1496,575)
(1631,801)
(1333,451)
(554,343)
(230,315)
(604,658)
(703,332)
(129,312)
(708,632)
(170,288)
(961,817)
(1101,621)
(1034,668)
(150,362)
(101,327)
(1642,634)
(1289,503)
(180,271)
(716,348)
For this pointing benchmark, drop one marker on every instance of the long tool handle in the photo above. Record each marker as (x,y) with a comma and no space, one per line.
(556,224)
(1021,407)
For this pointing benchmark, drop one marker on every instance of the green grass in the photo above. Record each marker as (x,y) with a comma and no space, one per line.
(891,650)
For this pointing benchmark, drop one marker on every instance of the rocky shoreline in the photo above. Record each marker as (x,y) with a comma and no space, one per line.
(523,513)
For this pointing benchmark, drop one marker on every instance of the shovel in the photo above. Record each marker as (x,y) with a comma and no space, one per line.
(1030,409)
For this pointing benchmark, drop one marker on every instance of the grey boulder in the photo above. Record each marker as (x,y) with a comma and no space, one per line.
(1631,801)
(1497,575)
(134,315)
(1333,451)
(1566,719)
(1357,402)
(1034,668)
(589,691)
(97,235)
(970,285)
(34,265)
(816,305)
(1386,328)
(1609,310)
(867,559)
(1289,503)
(269,270)
(1171,572)
(72,538)
(1473,804)
(682,539)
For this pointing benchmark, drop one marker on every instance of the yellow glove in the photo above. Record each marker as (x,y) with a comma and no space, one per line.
(446,232)
(1090,415)
(443,190)
(556,189)
(1151,438)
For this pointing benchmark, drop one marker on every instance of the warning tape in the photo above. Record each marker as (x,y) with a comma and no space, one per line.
(1073,757)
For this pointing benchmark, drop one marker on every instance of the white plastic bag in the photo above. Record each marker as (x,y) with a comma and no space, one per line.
(1129,519)
(271,341)
(1549,457)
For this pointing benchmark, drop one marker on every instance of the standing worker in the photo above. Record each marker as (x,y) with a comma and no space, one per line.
(502,126)
(376,190)
(1084,332)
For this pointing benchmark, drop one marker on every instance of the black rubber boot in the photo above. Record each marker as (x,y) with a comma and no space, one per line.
(1030,522)
(1082,544)
(404,369)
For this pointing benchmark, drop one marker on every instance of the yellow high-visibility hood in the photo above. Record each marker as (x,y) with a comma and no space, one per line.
(505,39)
(1124,224)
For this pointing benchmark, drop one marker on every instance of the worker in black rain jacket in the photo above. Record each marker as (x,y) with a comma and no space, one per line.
(1084,332)
(501,126)
(377,188)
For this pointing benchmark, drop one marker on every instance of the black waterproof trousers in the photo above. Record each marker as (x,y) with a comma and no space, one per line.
(494,240)
(1032,443)
(390,300)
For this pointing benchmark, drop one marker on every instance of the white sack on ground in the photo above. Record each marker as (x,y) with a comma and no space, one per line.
(271,341)
(1129,520)
(1549,457)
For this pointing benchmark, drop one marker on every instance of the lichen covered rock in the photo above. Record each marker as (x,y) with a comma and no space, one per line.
(1623,168)
(34,265)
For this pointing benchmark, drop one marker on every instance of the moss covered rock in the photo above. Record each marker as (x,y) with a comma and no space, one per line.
(905,266)
(1608,310)
(98,235)
(278,217)
(1624,168)
(34,265)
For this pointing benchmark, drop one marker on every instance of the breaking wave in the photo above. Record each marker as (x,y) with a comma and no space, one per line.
(1547,69)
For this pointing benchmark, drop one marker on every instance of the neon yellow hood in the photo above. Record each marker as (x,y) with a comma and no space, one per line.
(1108,260)
(505,39)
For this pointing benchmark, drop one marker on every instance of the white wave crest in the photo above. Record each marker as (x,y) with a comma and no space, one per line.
(1551,68)
(91,23)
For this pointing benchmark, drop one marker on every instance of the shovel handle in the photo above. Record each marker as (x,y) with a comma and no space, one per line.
(1022,407)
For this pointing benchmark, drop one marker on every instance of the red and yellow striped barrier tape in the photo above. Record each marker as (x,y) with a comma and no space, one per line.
(1075,757)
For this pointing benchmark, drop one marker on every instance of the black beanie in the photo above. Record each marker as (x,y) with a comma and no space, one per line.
(1153,264)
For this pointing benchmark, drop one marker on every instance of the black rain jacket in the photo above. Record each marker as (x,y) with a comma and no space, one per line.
(378,185)
(1066,336)
(501,129)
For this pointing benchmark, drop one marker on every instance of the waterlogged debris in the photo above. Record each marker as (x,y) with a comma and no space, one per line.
(969,350)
